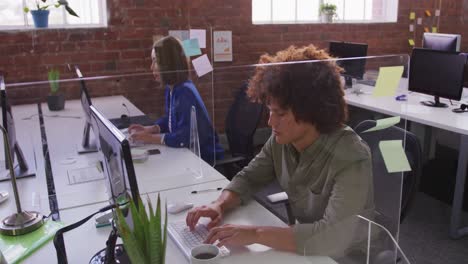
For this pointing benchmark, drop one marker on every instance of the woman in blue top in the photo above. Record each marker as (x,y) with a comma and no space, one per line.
(170,67)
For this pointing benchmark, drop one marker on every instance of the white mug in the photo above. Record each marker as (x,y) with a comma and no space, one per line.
(205,254)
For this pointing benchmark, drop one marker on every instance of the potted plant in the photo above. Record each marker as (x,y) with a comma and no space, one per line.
(146,243)
(41,13)
(55,100)
(328,12)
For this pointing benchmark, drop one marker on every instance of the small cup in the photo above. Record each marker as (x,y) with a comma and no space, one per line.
(205,254)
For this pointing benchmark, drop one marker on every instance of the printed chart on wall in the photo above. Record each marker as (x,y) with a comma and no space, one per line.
(222,43)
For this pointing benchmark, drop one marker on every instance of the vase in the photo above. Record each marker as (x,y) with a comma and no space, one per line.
(327,18)
(40,18)
(56,102)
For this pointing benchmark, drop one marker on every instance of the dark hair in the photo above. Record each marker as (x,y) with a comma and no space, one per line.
(312,90)
(172,62)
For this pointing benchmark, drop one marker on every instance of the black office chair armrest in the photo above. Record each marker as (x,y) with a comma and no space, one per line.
(229,160)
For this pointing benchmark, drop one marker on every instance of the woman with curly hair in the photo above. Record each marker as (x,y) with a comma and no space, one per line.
(322,165)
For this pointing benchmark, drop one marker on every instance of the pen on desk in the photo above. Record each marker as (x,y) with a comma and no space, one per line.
(207,190)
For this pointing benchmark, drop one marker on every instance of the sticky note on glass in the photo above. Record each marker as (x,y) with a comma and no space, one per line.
(428,13)
(426,29)
(384,123)
(202,65)
(191,47)
(434,29)
(411,28)
(412,15)
(411,42)
(387,81)
(394,156)
(437,12)
(199,34)
(419,21)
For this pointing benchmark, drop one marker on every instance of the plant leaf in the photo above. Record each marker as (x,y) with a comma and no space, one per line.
(138,228)
(70,11)
(155,232)
(130,244)
(26,9)
(164,243)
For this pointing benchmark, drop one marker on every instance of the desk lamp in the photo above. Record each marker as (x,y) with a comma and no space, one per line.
(21,222)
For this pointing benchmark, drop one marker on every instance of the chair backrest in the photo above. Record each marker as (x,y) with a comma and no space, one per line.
(241,122)
(387,185)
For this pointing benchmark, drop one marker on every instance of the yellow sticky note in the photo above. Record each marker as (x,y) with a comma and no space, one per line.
(426,29)
(428,13)
(394,156)
(411,42)
(412,15)
(434,29)
(387,81)
(384,123)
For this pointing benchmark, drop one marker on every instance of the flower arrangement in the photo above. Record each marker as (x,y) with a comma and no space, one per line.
(46,4)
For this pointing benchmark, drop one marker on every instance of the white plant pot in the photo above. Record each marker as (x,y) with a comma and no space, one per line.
(327,18)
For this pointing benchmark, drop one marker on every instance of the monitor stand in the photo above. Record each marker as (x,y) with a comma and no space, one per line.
(87,146)
(348,82)
(22,170)
(435,103)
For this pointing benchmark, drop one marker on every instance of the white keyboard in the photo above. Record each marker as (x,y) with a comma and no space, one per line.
(186,239)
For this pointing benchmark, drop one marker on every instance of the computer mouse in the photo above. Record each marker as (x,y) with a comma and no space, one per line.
(3,196)
(177,207)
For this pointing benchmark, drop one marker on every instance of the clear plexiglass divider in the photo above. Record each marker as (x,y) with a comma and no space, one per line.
(365,169)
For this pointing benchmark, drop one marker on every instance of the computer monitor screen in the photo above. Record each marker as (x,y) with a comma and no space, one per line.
(438,41)
(118,164)
(353,68)
(86,144)
(437,73)
(22,169)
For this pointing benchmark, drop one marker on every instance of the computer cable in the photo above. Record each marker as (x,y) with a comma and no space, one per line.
(463,108)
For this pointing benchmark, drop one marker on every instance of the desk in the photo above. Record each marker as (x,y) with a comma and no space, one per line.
(86,240)
(442,118)
(173,168)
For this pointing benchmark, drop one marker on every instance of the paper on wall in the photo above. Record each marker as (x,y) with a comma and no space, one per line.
(199,34)
(202,65)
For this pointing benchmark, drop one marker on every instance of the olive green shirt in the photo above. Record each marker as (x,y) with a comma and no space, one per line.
(328,184)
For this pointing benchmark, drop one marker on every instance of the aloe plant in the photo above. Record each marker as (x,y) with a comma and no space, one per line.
(53,76)
(146,243)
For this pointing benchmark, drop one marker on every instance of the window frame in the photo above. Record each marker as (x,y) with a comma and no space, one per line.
(388,5)
(102,6)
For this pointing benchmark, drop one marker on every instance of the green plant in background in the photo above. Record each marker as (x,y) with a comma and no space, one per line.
(46,4)
(146,243)
(53,76)
(328,9)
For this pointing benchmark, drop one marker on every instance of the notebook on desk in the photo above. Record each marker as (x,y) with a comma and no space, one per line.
(126,121)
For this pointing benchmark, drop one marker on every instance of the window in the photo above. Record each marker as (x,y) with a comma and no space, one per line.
(307,11)
(92,14)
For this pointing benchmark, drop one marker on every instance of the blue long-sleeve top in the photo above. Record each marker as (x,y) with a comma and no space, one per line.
(179,104)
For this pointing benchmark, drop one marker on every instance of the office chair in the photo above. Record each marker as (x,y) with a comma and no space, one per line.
(241,122)
(386,210)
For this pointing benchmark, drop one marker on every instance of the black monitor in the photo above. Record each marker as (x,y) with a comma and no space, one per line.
(437,73)
(21,169)
(118,164)
(353,68)
(445,42)
(87,145)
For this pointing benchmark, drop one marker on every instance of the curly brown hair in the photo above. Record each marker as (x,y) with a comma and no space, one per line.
(171,60)
(312,90)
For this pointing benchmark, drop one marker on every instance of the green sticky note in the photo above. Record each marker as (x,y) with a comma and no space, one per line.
(387,81)
(191,47)
(384,123)
(394,156)
(411,42)
(412,16)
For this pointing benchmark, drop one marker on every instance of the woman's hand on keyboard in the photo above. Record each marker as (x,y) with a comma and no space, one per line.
(232,235)
(213,211)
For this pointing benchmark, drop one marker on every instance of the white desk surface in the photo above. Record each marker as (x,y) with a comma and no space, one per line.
(86,240)
(32,190)
(174,167)
(412,109)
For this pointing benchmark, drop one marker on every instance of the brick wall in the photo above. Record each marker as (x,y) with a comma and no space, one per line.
(124,46)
